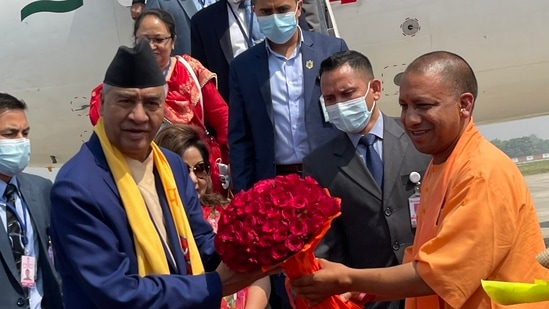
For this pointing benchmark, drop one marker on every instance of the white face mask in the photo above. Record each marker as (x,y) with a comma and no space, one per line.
(14,155)
(279,28)
(350,116)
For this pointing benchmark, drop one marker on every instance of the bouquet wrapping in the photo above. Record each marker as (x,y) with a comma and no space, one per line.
(278,221)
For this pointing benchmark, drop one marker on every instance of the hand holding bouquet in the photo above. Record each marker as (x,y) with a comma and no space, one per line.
(279,220)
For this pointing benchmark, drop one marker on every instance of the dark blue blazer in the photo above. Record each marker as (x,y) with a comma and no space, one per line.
(211,42)
(94,246)
(251,131)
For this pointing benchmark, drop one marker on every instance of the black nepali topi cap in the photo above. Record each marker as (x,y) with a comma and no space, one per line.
(134,68)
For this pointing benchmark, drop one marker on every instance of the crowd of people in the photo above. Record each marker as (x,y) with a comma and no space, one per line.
(216,96)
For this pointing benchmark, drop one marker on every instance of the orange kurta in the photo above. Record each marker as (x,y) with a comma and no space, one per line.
(476,220)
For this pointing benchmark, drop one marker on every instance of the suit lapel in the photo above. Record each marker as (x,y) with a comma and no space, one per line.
(7,256)
(95,148)
(188,7)
(36,209)
(309,61)
(262,73)
(393,150)
(350,164)
(35,206)
(223,31)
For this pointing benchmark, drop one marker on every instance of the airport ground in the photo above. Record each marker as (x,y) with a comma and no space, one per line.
(539,187)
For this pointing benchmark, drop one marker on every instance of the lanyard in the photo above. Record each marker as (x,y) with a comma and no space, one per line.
(246,37)
(22,223)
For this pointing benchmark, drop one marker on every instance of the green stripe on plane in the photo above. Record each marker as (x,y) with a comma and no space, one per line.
(50,6)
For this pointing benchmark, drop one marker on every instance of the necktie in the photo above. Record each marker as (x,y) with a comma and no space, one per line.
(251,22)
(14,226)
(373,161)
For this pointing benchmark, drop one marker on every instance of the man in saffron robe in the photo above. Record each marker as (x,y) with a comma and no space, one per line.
(476,219)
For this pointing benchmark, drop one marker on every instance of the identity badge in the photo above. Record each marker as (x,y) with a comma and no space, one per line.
(28,269)
(413,200)
(413,203)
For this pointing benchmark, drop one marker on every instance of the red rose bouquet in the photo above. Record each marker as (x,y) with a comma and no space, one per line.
(279,220)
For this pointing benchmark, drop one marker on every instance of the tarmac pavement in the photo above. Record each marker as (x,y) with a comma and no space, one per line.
(539,188)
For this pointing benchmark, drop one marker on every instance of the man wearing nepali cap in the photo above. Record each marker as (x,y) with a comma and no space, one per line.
(127,227)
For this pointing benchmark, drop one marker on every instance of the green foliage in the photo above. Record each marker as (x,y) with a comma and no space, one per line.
(532,168)
(523,146)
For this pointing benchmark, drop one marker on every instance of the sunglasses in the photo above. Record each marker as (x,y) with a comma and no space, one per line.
(200,169)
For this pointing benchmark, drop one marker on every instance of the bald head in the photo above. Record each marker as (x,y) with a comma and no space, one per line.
(451,68)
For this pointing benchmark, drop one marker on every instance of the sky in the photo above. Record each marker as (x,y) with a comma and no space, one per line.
(518,128)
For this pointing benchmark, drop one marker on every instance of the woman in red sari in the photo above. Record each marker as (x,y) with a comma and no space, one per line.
(188,142)
(192,96)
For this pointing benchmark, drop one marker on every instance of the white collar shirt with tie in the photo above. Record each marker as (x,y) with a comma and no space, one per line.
(36,292)
(238,28)
(377,130)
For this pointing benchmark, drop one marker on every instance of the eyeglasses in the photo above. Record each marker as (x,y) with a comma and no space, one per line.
(201,170)
(155,41)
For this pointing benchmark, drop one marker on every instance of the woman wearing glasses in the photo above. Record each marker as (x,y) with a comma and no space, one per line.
(188,142)
(192,96)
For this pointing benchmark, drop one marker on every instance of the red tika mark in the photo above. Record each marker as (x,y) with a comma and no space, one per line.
(344,1)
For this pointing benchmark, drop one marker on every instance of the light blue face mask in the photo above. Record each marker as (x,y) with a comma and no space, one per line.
(278,28)
(350,116)
(14,155)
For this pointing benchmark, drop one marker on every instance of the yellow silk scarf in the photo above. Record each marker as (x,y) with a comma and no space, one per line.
(151,258)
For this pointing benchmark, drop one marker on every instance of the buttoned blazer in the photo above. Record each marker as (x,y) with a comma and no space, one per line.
(374,227)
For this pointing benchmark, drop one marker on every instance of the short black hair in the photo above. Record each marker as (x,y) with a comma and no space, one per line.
(7,101)
(452,68)
(164,16)
(354,59)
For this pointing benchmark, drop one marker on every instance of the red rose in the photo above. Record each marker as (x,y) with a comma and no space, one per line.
(299,228)
(294,243)
(272,221)
(279,252)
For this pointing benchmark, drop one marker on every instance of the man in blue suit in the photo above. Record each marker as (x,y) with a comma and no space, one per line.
(275,117)
(216,44)
(120,235)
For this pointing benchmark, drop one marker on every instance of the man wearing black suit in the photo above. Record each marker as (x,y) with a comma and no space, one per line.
(219,33)
(25,219)
(375,223)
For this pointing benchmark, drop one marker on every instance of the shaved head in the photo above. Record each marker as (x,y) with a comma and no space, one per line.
(453,70)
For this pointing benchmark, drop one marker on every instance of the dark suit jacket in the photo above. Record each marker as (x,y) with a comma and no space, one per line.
(374,227)
(251,131)
(211,43)
(36,193)
(94,246)
(211,38)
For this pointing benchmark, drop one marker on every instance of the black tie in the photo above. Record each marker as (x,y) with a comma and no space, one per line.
(14,226)
(373,160)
